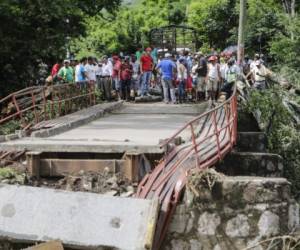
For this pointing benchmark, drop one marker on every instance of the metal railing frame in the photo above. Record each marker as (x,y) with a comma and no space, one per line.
(154,184)
(59,94)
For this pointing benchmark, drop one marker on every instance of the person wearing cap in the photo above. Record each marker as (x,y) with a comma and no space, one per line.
(259,74)
(146,68)
(213,77)
(66,73)
(167,68)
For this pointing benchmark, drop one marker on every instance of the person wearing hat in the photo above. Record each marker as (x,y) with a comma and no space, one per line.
(259,74)
(146,68)
(167,68)
(213,77)
(66,73)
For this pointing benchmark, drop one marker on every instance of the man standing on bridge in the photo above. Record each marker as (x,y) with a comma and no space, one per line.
(66,73)
(167,67)
(146,66)
(201,75)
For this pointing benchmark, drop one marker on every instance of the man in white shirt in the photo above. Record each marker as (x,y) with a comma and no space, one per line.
(253,63)
(259,73)
(213,78)
(106,78)
(135,82)
(91,71)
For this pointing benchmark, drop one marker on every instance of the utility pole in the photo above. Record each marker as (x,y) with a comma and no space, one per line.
(241,38)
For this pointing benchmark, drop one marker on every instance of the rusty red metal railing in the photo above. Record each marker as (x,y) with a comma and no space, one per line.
(44,102)
(205,141)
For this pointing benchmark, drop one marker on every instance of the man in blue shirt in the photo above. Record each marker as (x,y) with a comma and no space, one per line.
(80,73)
(167,68)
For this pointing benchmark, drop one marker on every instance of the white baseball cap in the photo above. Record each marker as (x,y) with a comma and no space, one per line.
(167,55)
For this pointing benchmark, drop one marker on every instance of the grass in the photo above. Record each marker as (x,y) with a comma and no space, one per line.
(7,173)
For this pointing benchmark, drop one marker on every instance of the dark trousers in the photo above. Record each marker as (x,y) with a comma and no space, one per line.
(125,86)
(227,88)
(181,90)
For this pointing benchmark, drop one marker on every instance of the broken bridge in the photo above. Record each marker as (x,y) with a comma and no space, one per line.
(116,137)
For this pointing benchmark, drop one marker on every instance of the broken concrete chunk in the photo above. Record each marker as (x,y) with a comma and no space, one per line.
(79,220)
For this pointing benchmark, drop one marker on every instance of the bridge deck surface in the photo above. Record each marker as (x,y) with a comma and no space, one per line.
(137,127)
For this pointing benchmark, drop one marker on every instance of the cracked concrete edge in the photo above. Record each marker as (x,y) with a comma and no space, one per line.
(10,137)
(84,119)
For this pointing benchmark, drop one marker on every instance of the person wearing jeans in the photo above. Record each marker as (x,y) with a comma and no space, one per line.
(146,67)
(146,78)
(167,68)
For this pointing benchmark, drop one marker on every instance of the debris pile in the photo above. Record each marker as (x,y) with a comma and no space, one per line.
(103,183)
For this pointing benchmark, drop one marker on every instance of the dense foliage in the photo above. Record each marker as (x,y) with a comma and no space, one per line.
(130,27)
(282,130)
(33,30)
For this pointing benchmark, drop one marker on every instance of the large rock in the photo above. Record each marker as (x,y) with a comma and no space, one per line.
(252,164)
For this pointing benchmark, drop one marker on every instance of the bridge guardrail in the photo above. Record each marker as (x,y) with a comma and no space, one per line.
(44,102)
(206,140)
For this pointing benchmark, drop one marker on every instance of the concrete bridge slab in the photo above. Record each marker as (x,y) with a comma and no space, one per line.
(79,220)
(137,127)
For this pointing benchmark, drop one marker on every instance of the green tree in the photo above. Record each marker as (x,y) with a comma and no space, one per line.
(35,29)
(214,20)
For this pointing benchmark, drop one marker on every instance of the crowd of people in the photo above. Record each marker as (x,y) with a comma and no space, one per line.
(183,76)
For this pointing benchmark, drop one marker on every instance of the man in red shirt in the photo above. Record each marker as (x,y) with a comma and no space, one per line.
(54,71)
(146,67)
(126,75)
(116,74)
